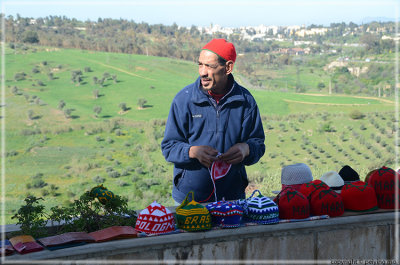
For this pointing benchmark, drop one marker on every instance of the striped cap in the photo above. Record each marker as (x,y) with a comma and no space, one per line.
(260,209)
(192,216)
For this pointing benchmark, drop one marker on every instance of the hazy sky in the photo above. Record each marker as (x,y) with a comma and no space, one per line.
(227,13)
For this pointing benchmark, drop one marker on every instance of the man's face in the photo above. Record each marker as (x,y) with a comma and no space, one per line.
(213,75)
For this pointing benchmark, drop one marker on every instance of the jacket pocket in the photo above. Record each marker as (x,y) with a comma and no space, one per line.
(178,179)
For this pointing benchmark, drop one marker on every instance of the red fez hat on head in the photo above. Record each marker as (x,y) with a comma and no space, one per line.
(222,48)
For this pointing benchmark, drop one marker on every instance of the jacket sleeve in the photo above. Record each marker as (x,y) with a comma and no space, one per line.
(253,135)
(175,146)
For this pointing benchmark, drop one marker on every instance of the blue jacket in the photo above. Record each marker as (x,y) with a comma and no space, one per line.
(196,119)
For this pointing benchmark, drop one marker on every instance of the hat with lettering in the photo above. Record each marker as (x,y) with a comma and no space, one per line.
(260,209)
(359,196)
(192,216)
(369,175)
(383,182)
(348,174)
(326,201)
(333,180)
(295,175)
(222,48)
(292,204)
(307,189)
(155,219)
(225,214)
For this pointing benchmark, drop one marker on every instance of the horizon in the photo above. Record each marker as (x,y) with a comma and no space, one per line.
(190,13)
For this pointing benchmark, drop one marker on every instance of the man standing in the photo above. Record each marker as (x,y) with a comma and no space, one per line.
(213,121)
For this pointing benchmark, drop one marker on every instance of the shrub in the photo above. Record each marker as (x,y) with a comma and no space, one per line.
(356,115)
(61,104)
(141,102)
(98,179)
(114,174)
(19,76)
(31,217)
(122,106)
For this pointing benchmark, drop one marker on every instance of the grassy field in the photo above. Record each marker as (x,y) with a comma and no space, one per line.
(58,157)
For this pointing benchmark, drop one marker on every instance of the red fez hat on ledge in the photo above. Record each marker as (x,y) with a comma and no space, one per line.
(222,48)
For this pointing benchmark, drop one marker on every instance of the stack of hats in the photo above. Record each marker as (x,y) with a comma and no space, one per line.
(359,196)
(260,209)
(292,204)
(348,174)
(326,201)
(333,180)
(293,176)
(102,194)
(225,214)
(307,189)
(155,219)
(383,182)
(192,216)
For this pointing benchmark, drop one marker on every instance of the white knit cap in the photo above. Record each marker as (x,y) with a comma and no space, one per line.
(296,174)
(333,180)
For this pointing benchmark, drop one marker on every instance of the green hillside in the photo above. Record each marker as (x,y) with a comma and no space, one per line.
(59,154)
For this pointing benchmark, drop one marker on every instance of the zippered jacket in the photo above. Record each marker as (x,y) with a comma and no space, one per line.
(196,119)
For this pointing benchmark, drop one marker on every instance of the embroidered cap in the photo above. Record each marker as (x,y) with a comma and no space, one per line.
(359,196)
(326,201)
(292,205)
(192,216)
(383,182)
(225,214)
(155,219)
(307,189)
(102,194)
(260,209)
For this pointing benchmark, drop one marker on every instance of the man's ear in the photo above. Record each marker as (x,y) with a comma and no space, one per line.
(229,67)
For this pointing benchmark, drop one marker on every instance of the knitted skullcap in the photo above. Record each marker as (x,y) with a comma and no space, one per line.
(296,174)
(222,48)
(359,196)
(348,174)
(383,180)
(333,180)
(292,205)
(326,202)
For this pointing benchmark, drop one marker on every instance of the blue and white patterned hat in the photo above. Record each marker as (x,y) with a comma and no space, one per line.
(260,209)
(225,214)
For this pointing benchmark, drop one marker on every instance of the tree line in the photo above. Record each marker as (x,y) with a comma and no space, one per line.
(127,36)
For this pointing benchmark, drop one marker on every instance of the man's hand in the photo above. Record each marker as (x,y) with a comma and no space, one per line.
(236,153)
(204,153)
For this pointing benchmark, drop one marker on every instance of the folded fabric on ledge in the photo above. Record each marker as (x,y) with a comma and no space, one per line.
(5,248)
(65,240)
(25,244)
(114,233)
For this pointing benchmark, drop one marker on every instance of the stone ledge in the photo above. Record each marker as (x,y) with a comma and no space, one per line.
(244,238)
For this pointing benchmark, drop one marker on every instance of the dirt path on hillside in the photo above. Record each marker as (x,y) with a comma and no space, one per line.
(321,103)
(374,98)
(119,69)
